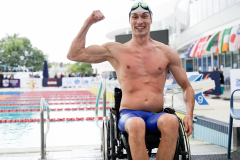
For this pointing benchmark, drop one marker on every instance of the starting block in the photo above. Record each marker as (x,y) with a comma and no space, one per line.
(199,86)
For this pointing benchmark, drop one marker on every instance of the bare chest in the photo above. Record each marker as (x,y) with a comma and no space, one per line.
(142,63)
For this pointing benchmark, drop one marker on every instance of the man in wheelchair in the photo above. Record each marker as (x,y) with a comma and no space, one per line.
(117,137)
(141,65)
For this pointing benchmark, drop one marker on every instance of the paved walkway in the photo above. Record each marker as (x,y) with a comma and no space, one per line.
(220,111)
(198,147)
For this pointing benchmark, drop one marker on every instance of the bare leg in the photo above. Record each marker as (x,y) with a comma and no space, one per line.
(135,128)
(168,125)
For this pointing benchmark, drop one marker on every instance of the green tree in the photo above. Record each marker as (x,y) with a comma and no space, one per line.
(35,59)
(82,67)
(55,64)
(46,57)
(18,51)
(68,65)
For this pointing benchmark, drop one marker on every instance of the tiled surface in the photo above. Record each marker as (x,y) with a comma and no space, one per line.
(197,148)
(81,154)
(219,109)
(220,112)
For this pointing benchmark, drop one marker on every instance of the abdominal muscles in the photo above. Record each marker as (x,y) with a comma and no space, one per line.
(141,95)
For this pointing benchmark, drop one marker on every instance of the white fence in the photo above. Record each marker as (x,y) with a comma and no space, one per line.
(77,81)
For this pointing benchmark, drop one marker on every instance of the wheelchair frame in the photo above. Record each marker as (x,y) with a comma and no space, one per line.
(114,142)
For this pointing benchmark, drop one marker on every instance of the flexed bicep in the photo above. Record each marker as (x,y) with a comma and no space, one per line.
(93,54)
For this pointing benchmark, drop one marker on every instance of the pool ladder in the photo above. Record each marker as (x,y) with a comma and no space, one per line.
(102,87)
(103,127)
(43,104)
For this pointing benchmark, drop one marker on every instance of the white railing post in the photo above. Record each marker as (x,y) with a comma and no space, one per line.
(44,135)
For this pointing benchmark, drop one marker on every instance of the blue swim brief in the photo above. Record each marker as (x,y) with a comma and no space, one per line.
(149,118)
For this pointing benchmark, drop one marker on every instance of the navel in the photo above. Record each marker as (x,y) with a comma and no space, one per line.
(128,66)
(146,100)
(160,68)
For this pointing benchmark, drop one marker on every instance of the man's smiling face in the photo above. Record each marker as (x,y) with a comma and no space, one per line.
(140,23)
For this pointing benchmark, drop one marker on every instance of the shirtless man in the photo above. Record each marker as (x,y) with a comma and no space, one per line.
(141,65)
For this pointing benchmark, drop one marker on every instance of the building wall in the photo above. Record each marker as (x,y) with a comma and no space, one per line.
(226,18)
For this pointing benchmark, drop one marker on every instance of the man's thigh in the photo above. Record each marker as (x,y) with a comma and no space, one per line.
(151,123)
(127,114)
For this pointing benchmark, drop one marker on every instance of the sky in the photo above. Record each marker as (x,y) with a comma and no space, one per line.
(51,25)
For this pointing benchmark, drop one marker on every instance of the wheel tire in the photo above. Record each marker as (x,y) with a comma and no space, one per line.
(182,145)
(176,155)
(124,140)
(183,141)
(112,137)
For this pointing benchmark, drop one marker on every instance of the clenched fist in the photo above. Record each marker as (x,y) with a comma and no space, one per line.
(96,16)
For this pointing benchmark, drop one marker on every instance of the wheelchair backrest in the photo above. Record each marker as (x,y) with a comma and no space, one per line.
(118,98)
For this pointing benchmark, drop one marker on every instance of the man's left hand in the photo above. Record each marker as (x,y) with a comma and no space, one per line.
(188,124)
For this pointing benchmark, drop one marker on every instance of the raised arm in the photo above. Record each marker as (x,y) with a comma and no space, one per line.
(93,53)
(188,93)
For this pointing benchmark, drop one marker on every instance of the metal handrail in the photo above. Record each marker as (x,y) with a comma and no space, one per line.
(101,88)
(44,135)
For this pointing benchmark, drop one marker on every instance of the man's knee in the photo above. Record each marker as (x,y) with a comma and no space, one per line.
(135,125)
(168,123)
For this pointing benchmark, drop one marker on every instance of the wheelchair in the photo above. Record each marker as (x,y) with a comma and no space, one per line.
(115,143)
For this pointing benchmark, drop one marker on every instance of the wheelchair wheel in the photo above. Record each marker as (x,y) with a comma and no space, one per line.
(176,156)
(112,138)
(184,146)
(126,146)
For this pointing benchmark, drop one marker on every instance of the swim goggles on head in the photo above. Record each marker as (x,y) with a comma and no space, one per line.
(143,5)
(140,7)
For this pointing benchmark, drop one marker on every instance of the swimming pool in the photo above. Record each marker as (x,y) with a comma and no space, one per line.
(61,133)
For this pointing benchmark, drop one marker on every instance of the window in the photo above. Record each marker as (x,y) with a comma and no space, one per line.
(230,2)
(223,4)
(209,8)
(204,9)
(199,10)
(193,14)
(228,59)
(215,61)
(195,66)
(215,6)
(189,65)
(235,59)
(209,63)
(199,64)
(204,64)
(183,64)
(222,60)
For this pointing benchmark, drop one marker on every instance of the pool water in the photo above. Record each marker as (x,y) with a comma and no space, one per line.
(64,133)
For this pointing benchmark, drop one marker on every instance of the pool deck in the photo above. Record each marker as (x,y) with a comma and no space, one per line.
(92,152)
(220,111)
(220,108)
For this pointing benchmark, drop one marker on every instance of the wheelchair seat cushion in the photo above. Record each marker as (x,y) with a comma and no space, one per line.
(149,118)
